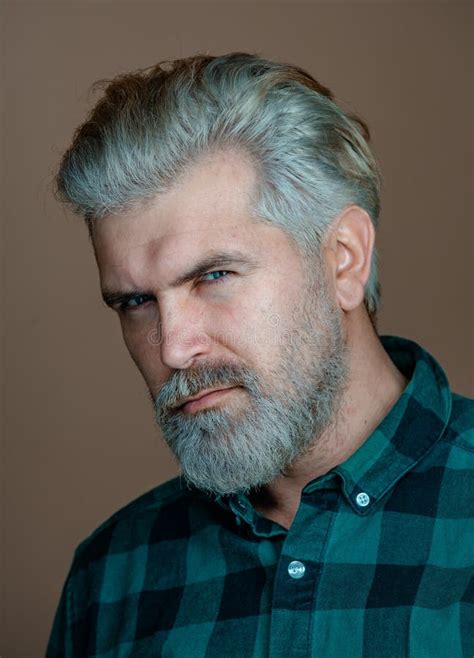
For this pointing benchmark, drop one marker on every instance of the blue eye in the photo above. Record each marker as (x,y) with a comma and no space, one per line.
(133,302)
(216,279)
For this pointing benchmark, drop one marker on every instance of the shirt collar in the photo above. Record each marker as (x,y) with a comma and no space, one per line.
(409,430)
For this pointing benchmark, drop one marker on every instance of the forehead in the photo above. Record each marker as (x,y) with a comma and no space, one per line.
(210,208)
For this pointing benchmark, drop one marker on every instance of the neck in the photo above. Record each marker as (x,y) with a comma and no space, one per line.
(374,386)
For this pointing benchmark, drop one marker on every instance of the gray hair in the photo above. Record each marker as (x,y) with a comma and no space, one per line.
(312,158)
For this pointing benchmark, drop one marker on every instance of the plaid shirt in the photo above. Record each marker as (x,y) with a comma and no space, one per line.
(378,562)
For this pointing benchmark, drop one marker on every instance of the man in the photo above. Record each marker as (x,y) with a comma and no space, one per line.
(326,489)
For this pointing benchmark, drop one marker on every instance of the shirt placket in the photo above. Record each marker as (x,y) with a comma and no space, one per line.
(298,572)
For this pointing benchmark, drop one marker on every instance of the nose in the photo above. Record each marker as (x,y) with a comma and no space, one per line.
(183,339)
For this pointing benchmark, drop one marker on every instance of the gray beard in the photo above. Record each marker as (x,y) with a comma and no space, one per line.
(228,450)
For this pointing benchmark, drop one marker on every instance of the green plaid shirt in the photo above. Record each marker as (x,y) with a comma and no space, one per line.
(378,562)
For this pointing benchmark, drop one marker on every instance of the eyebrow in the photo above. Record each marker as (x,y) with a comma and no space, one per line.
(212,260)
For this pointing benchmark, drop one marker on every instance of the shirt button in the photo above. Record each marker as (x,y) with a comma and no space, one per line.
(240,505)
(296,569)
(362,499)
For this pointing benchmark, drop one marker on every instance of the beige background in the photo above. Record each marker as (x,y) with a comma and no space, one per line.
(79,439)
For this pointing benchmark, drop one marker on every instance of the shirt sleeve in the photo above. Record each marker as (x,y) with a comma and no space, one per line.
(60,643)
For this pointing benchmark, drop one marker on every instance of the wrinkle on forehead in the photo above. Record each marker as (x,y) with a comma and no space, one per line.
(155,242)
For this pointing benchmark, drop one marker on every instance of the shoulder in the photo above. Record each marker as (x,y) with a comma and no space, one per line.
(460,427)
(452,461)
(160,513)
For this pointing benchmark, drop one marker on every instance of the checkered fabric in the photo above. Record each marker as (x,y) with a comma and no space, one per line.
(378,562)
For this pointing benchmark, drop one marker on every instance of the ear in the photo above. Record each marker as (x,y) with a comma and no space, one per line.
(348,253)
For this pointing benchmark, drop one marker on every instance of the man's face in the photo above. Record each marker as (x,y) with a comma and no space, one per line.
(216,300)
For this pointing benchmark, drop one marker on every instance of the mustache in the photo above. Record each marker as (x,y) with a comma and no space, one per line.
(190,382)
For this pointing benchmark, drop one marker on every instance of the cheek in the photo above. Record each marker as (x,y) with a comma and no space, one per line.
(257,328)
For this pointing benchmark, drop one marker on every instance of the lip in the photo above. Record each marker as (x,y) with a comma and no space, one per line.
(204,398)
